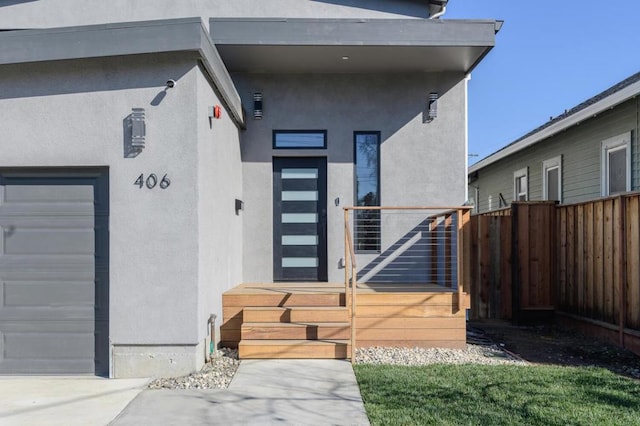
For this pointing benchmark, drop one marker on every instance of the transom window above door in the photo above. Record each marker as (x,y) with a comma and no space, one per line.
(299,139)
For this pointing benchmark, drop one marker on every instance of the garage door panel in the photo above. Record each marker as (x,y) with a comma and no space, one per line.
(28,345)
(63,267)
(45,366)
(46,241)
(56,194)
(47,314)
(53,318)
(48,293)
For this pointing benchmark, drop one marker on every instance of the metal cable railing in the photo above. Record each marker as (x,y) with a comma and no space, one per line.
(417,245)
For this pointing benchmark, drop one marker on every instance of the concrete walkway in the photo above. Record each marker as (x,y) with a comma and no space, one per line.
(55,400)
(263,392)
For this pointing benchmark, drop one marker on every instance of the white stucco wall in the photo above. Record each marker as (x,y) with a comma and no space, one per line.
(422,164)
(65,13)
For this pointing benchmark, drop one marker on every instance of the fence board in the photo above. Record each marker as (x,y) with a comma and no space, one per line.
(571,268)
(505,266)
(618,266)
(580,261)
(598,243)
(591,303)
(608,255)
(633,268)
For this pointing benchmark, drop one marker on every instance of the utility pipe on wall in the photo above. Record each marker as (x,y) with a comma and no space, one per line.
(212,335)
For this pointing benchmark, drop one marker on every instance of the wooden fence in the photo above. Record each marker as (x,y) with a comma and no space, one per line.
(512,255)
(579,261)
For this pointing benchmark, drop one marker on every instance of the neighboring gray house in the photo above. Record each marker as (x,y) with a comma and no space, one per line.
(588,152)
(144,152)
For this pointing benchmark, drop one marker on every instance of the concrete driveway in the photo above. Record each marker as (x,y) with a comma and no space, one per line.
(56,400)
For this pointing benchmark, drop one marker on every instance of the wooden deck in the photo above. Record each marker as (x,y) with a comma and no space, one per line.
(310,320)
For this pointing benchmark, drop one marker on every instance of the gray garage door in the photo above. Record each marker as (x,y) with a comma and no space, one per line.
(53,272)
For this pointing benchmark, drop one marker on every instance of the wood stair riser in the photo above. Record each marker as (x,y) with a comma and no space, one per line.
(284,299)
(277,331)
(295,314)
(293,349)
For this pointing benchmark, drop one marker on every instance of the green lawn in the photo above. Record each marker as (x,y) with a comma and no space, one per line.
(497,395)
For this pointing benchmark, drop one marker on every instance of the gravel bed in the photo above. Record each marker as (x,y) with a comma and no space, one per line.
(473,354)
(216,374)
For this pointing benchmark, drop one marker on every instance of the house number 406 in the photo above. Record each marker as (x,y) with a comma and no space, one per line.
(152,181)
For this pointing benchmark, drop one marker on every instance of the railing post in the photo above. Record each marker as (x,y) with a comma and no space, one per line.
(354,284)
(462,219)
(346,257)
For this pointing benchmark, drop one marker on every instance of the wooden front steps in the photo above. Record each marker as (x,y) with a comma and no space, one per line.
(311,321)
(287,321)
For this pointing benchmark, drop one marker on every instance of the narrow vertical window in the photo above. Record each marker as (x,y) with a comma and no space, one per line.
(367,181)
(616,164)
(552,179)
(520,185)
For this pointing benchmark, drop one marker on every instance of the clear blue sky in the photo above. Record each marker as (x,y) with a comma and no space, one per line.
(549,56)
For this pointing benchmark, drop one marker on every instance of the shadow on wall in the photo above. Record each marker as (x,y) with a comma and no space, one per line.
(4,3)
(425,254)
(408,8)
(339,104)
(93,75)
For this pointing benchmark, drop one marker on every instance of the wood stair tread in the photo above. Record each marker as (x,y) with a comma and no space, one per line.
(296,324)
(298,342)
(284,308)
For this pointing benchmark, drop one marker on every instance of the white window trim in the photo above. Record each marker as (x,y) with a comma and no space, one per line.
(490,202)
(550,164)
(518,174)
(615,143)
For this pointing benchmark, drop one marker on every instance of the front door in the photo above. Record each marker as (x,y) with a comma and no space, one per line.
(300,219)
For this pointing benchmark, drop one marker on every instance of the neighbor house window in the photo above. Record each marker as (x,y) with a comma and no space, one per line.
(552,179)
(490,202)
(616,164)
(367,181)
(520,185)
(294,139)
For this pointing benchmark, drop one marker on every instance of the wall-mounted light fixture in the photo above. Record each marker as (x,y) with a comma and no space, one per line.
(257,106)
(432,106)
(138,129)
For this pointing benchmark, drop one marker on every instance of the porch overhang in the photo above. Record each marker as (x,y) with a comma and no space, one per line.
(352,45)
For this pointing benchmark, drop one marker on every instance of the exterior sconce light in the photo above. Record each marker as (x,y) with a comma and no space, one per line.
(432,106)
(257,106)
(138,129)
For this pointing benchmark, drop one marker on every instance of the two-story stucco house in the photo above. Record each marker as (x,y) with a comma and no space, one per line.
(156,154)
